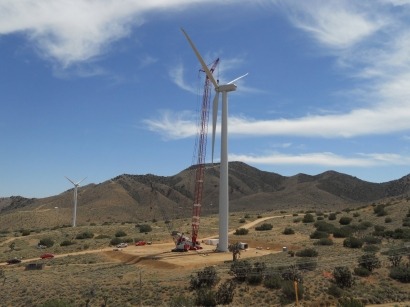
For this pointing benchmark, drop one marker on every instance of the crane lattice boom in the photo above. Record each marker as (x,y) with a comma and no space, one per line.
(200,165)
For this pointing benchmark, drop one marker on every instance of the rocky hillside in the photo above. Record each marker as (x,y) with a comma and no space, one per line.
(146,197)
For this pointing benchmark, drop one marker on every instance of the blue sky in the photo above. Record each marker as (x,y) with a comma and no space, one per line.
(100,88)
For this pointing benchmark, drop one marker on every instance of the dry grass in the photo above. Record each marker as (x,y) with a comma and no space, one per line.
(152,276)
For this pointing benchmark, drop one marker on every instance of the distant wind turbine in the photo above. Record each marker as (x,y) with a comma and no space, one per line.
(224,177)
(76,185)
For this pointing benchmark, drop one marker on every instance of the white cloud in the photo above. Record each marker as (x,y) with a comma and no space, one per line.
(397,2)
(173,125)
(358,122)
(177,76)
(325,159)
(147,60)
(72,31)
(335,24)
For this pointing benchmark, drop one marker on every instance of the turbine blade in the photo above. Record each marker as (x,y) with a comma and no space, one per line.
(234,80)
(69,180)
(204,67)
(214,118)
(81,181)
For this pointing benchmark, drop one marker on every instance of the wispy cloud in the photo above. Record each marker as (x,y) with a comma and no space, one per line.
(382,63)
(173,125)
(177,76)
(359,122)
(325,159)
(75,31)
(335,24)
(147,60)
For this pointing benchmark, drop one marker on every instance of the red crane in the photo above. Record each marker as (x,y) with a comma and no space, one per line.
(200,165)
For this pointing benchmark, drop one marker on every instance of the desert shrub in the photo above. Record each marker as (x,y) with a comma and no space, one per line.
(371,248)
(241,231)
(297,220)
(362,272)
(335,291)
(406,222)
(288,231)
(288,290)
(205,297)
(307,252)
(379,210)
(320,218)
(272,281)
(181,301)
(208,277)
(84,235)
(332,217)
(308,218)
(115,241)
(319,235)
(379,231)
(264,226)
(349,302)
(343,232)
(345,220)
(102,237)
(343,277)
(128,240)
(353,242)
(307,264)
(388,220)
(324,241)
(400,273)
(356,214)
(379,228)
(66,243)
(369,261)
(255,275)
(46,242)
(372,240)
(291,273)
(225,293)
(242,220)
(365,224)
(25,232)
(324,226)
(121,233)
(145,228)
(401,233)
(395,255)
(240,269)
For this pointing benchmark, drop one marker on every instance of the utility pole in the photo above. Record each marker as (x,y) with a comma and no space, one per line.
(296,292)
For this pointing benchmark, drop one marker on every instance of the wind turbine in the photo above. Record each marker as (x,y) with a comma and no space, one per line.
(76,185)
(224,177)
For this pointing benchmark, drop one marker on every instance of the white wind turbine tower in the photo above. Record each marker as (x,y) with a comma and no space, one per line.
(224,177)
(76,185)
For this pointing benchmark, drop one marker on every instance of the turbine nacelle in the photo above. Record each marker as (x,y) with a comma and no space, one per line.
(230,87)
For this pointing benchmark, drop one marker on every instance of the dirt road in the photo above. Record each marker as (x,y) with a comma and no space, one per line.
(161,252)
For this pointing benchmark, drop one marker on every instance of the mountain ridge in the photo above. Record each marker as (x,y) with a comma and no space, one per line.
(130,197)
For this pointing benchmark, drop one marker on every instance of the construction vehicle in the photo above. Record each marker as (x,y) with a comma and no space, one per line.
(183,242)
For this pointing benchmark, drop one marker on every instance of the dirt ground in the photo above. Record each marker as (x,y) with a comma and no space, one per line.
(160,256)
